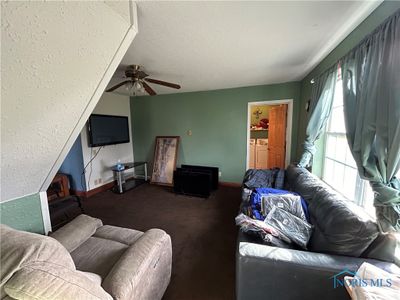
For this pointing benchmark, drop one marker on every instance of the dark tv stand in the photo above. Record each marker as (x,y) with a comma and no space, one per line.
(197,181)
(123,184)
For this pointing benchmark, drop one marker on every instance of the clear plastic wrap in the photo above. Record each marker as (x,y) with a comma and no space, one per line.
(269,239)
(296,229)
(246,193)
(263,230)
(288,202)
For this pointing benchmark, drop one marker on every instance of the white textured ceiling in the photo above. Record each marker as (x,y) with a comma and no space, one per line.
(206,45)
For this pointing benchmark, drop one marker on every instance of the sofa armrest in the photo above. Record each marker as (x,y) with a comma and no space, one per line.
(292,274)
(385,247)
(144,270)
(76,232)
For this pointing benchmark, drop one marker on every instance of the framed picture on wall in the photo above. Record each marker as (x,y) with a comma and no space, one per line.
(165,156)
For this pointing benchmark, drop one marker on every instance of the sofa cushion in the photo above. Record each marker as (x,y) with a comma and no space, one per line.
(118,234)
(340,226)
(50,281)
(303,182)
(19,248)
(98,255)
(92,276)
(77,231)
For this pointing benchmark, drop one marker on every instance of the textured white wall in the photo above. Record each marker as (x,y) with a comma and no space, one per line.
(109,104)
(57,58)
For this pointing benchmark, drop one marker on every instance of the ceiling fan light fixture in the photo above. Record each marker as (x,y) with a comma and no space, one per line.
(129,86)
(136,82)
(138,86)
(133,87)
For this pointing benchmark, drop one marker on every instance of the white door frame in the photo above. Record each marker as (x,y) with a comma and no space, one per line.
(289,122)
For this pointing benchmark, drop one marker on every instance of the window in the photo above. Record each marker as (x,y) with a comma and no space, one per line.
(339,167)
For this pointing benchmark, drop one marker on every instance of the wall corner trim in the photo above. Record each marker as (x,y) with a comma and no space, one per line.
(44,205)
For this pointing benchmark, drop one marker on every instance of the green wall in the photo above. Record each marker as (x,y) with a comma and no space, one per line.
(24,214)
(386,9)
(217,119)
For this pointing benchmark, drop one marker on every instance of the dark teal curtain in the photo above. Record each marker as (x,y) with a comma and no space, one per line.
(371,87)
(320,108)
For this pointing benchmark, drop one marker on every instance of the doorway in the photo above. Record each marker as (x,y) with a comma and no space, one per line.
(269,132)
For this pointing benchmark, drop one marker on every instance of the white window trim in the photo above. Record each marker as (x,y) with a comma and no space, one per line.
(360,191)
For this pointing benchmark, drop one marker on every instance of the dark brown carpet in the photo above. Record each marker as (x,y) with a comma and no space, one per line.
(203,234)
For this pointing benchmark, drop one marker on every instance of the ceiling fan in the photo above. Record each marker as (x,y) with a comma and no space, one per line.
(137,81)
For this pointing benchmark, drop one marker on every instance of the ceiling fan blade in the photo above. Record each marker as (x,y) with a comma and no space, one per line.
(168,84)
(117,86)
(148,89)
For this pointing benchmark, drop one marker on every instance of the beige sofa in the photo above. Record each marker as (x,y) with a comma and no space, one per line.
(85,260)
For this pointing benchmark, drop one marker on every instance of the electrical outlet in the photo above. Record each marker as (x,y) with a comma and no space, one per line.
(220,174)
(100,180)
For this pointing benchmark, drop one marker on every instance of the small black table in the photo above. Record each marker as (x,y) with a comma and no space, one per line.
(123,184)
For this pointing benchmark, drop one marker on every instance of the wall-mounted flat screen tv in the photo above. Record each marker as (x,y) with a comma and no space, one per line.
(107,130)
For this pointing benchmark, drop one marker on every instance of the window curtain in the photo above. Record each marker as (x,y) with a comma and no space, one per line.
(371,88)
(320,108)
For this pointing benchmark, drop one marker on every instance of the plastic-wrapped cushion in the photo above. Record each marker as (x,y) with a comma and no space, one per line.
(341,227)
(262,230)
(289,202)
(296,229)
(256,197)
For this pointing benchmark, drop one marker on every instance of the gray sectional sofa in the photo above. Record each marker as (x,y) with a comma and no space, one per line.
(344,237)
(85,260)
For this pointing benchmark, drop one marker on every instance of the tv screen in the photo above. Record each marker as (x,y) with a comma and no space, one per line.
(108,130)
